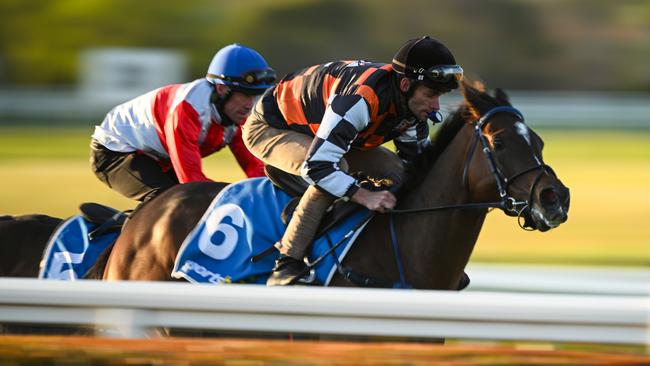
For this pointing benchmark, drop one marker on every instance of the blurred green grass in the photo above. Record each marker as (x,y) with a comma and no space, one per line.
(608,173)
(46,170)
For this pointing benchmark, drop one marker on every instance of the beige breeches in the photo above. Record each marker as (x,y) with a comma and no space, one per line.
(286,149)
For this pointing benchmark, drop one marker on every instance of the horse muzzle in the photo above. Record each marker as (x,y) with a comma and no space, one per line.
(550,209)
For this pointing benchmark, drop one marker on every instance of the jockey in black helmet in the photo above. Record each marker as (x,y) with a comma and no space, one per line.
(426,61)
(323,122)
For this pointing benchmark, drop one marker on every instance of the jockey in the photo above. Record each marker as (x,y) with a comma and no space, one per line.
(157,140)
(328,120)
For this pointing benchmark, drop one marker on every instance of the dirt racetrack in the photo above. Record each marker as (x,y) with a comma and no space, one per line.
(59,350)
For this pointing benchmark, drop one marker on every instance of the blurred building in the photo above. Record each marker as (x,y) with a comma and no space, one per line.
(107,77)
(111,75)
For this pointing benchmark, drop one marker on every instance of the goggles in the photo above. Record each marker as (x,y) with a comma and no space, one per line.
(254,77)
(440,74)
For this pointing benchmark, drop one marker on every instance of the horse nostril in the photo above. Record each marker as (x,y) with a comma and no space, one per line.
(548,197)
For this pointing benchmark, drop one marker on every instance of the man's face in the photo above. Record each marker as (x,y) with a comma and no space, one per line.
(424,101)
(239,106)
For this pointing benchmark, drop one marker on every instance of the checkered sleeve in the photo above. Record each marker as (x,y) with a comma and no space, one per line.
(413,141)
(344,118)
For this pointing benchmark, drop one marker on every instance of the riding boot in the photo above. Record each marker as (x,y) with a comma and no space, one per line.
(304,222)
(300,233)
(287,271)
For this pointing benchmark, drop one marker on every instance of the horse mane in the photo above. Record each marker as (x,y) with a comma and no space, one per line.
(447,131)
(476,102)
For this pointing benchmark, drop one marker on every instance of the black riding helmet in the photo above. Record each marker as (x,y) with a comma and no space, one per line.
(428,61)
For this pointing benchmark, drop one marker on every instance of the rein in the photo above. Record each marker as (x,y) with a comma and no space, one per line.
(507,203)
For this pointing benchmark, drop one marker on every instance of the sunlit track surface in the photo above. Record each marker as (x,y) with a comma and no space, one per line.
(37,350)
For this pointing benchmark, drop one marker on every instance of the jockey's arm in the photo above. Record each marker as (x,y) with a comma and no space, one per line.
(344,118)
(181,135)
(252,166)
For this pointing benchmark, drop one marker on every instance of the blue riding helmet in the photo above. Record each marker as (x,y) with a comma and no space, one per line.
(242,69)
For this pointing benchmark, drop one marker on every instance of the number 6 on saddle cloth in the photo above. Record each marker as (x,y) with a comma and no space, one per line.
(243,221)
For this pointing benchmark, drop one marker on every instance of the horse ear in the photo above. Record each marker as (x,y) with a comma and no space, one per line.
(475,100)
(478,85)
(501,96)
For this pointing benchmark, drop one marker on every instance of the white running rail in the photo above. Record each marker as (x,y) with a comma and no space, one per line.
(620,281)
(134,308)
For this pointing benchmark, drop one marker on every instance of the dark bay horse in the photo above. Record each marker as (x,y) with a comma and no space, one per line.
(22,241)
(484,152)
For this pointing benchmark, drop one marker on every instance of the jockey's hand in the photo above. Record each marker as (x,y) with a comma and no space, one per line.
(376,201)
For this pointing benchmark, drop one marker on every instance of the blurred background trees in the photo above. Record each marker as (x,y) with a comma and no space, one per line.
(517,44)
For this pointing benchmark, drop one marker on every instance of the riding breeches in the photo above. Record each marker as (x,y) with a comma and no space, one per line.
(287,150)
(136,176)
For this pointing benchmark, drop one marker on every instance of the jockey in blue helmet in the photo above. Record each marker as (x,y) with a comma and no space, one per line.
(242,69)
(157,140)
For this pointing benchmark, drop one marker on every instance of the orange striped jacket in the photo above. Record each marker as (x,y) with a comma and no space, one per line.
(343,104)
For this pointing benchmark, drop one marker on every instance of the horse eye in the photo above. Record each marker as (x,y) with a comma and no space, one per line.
(497,144)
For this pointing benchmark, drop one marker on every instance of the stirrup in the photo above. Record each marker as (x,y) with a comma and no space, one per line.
(288,271)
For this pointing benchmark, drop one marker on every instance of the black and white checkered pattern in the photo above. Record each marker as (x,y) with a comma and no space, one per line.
(344,118)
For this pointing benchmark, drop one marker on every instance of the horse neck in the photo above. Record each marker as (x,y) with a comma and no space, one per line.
(441,242)
(443,183)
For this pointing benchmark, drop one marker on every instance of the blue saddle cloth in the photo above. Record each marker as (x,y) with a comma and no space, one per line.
(243,221)
(69,253)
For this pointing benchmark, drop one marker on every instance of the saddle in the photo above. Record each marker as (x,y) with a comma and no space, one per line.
(108,219)
(295,186)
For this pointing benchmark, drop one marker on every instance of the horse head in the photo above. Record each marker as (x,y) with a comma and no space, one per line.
(514,164)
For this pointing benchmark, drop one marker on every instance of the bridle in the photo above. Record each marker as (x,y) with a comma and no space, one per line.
(511,205)
(507,203)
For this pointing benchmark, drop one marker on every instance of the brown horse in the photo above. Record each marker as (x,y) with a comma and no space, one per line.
(483,153)
(22,241)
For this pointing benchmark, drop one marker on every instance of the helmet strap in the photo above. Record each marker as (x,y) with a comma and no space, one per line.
(219,102)
(406,95)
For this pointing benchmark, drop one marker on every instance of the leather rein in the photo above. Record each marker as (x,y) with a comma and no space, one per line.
(506,202)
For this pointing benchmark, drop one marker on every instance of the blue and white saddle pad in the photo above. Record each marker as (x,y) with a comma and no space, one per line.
(243,221)
(69,253)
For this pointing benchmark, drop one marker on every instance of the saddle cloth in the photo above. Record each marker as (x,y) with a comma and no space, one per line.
(69,253)
(243,221)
